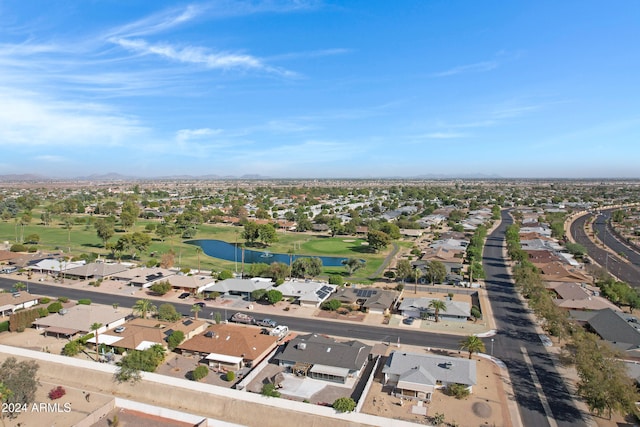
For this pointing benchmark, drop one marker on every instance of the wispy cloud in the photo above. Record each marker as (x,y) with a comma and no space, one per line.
(311,54)
(478,67)
(157,23)
(199,55)
(49,158)
(35,120)
(443,135)
(186,135)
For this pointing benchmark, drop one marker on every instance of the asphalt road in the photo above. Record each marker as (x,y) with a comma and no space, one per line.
(627,271)
(542,395)
(339,329)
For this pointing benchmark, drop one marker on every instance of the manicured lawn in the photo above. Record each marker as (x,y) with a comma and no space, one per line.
(82,238)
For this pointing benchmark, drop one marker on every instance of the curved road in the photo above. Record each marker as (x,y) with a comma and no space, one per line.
(628,272)
(541,393)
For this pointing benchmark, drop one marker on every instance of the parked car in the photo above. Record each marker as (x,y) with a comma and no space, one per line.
(184,295)
(408,320)
(280,331)
(119,329)
(267,323)
(243,318)
(200,304)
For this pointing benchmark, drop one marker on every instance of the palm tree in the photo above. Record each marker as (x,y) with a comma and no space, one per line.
(417,273)
(195,309)
(94,327)
(198,252)
(143,306)
(472,344)
(437,305)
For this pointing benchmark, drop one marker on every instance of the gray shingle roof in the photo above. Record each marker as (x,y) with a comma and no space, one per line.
(614,327)
(413,367)
(317,349)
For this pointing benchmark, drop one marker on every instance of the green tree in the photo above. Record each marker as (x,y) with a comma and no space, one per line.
(143,307)
(251,232)
(267,234)
(104,229)
(306,267)
(274,296)
(344,404)
(168,313)
(377,240)
(258,294)
(472,344)
(437,271)
(404,269)
(21,379)
(72,348)
(437,306)
(353,264)
(175,339)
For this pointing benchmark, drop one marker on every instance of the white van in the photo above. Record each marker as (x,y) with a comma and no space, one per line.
(280,331)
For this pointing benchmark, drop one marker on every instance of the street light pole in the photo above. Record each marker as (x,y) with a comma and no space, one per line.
(492,340)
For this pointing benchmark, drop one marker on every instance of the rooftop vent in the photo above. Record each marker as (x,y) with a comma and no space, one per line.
(302,346)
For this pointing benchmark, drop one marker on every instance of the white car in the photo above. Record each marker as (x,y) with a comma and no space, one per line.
(119,329)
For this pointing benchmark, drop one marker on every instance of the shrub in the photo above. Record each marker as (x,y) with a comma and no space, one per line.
(231,376)
(331,305)
(84,301)
(18,247)
(54,307)
(175,339)
(344,404)
(336,279)
(200,372)
(57,392)
(63,299)
(72,348)
(32,249)
(44,300)
(399,287)
(459,391)
(475,312)
(270,390)
(4,326)
(43,312)
(225,274)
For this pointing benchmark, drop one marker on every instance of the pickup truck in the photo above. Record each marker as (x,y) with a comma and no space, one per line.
(243,318)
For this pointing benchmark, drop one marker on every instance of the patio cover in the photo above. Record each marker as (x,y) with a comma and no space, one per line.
(330,370)
(59,330)
(225,358)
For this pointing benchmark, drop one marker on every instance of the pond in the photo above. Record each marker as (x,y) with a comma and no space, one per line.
(229,252)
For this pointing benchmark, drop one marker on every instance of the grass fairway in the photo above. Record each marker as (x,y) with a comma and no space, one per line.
(82,238)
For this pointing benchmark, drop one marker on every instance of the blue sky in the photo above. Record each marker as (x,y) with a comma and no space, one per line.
(320,89)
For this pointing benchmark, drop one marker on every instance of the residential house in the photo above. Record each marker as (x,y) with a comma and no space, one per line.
(230,346)
(416,376)
(55,266)
(368,299)
(321,357)
(456,311)
(578,296)
(140,334)
(619,329)
(10,302)
(95,270)
(240,287)
(143,277)
(193,283)
(307,293)
(79,318)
